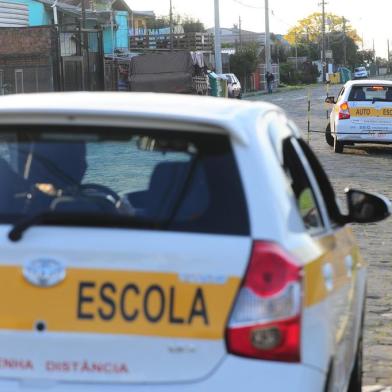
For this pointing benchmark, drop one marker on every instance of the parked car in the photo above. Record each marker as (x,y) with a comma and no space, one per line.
(362,113)
(234,86)
(360,73)
(168,243)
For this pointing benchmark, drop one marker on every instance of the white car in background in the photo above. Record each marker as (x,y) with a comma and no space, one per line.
(163,243)
(360,73)
(233,85)
(362,113)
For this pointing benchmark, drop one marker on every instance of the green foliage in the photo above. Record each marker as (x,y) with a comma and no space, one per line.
(307,73)
(364,57)
(279,52)
(336,44)
(309,29)
(189,24)
(244,61)
(288,74)
(311,51)
(192,25)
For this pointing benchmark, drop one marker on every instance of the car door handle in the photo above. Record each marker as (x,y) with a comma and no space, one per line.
(328,276)
(349,264)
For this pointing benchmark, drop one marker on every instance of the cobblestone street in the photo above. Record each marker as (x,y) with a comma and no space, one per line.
(366,167)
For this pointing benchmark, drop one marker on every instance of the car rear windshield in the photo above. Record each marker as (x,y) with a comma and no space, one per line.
(180,181)
(371,93)
(360,69)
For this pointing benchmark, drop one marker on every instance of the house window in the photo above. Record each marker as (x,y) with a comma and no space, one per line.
(19,81)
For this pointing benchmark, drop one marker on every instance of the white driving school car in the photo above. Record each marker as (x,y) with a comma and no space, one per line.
(170,243)
(362,113)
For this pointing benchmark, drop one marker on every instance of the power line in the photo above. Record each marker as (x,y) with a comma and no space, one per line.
(248,5)
(280,19)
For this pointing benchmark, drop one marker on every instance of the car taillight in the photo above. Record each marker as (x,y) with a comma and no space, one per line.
(266,319)
(344,111)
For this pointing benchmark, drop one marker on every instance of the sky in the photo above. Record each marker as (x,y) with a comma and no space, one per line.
(372,19)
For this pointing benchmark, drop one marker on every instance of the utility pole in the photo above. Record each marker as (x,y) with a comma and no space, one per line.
(296,51)
(344,41)
(267,39)
(240,31)
(171,27)
(375,58)
(218,45)
(389,57)
(83,14)
(85,45)
(323,59)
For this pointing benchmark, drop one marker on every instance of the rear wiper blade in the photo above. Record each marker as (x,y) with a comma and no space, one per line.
(378,100)
(80,219)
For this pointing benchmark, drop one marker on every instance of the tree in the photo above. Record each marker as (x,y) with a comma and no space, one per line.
(190,25)
(309,29)
(341,38)
(336,44)
(311,51)
(244,61)
(306,73)
(365,57)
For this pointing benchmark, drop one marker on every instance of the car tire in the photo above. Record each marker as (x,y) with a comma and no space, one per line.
(328,136)
(355,384)
(338,146)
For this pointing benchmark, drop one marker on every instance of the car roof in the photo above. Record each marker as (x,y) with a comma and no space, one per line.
(366,82)
(234,117)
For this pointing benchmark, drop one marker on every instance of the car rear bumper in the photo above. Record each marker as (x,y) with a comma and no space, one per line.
(234,374)
(377,134)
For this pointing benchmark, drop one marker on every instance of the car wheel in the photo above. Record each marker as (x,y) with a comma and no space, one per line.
(328,136)
(355,384)
(338,146)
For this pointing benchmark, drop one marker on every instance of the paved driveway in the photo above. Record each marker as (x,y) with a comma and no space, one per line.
(365,167)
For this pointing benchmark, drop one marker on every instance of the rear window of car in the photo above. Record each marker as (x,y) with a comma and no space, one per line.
(371,93)
(360,69)
(167,180)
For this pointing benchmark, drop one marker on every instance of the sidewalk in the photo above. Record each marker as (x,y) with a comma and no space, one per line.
(278,90)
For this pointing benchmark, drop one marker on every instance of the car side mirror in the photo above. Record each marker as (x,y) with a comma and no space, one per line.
(330,100)
(366,207)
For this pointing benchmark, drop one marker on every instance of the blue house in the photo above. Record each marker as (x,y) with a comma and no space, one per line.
(24,13)
(111,16)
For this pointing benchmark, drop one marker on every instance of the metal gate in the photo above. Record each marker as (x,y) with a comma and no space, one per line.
(81,52)
(73,73)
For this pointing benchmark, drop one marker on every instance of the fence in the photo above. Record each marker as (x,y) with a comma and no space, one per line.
(43,59)
(19,74)
(116,75)
(81,52)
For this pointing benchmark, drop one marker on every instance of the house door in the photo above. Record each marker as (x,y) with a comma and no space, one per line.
(73,73)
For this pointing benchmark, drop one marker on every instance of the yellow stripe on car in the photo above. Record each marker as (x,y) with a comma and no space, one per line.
(118,302)
(370,112)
